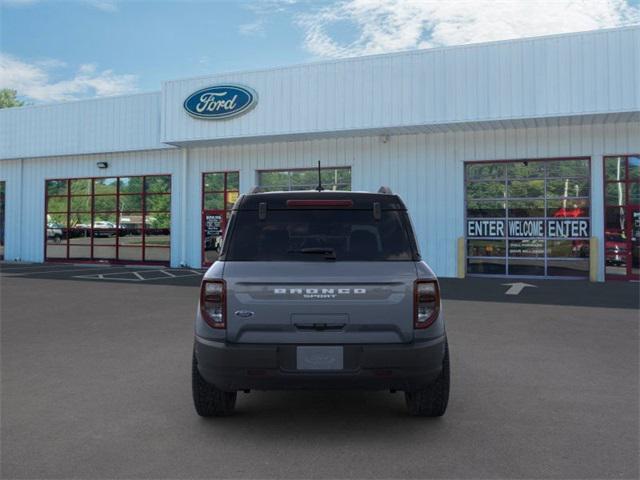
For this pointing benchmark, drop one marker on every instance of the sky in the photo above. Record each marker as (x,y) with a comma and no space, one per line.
(55,50)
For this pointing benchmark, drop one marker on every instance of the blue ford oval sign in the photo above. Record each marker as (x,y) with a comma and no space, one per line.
(220,101)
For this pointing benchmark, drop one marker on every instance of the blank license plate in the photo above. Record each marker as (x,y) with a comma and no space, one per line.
(320,358)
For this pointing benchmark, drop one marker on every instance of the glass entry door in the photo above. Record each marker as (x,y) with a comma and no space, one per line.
(622,217)
(219,193)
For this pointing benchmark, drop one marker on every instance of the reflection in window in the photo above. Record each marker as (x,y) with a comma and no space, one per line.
(107,218)
(220,192)
(520,195)
(307,179)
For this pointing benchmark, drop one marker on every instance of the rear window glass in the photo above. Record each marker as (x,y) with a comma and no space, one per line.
(318,235)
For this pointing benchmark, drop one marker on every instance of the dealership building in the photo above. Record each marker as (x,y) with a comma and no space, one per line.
(515,158)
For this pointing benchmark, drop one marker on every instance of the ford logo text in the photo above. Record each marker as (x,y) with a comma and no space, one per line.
(220,102)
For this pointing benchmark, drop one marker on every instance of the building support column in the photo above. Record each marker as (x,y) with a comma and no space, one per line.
(597,213)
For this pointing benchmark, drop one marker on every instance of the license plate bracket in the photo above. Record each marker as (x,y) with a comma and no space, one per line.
(316,358)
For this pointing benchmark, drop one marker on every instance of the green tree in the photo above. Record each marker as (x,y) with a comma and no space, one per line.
(8,98)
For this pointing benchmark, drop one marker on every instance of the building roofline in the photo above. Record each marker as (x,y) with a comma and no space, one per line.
(79,100)
(414,51)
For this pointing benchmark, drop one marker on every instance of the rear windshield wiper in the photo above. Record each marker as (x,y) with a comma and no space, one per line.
(329,253)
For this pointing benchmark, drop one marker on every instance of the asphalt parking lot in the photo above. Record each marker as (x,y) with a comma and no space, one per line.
(96,384)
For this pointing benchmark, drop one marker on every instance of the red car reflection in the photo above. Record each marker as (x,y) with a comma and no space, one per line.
(569,213)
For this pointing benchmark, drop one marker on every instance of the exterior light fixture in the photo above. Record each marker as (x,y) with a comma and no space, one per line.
(102,165)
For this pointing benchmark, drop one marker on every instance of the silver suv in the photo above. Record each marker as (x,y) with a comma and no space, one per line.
(320,290)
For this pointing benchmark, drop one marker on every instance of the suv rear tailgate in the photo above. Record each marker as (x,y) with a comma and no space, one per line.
(320,302)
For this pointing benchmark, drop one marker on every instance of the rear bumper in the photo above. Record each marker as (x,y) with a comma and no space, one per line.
(232,367)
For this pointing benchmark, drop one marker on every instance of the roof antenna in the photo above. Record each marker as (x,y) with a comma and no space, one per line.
(319,187)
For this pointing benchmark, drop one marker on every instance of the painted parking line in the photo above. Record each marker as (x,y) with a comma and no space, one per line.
(141,275)
(24,272)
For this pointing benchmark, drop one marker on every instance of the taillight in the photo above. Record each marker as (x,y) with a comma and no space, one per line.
(426,303)
(213,299)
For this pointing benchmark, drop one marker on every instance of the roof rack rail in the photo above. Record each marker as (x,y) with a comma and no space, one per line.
(255,189)
(385,190)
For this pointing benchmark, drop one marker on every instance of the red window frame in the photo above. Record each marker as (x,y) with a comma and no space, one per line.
(628,207)
(224,211)
(143,212)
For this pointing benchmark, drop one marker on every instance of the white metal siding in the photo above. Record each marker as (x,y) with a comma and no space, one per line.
(558,76)
(425,169)
(113,124)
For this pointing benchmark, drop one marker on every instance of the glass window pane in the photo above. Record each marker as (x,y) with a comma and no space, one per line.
(80,220)
(80,235)
(615,219)
(81,204)
(214,182)
(214,201)
(105,203)
(614,168)
(158,203)
(158,184)
(486,248)
(615,194)
(485,189)
(157,254)
(485,208)
(634,168)
(80,186)
(568,268)
(57,204)
(273,179)
(104,220)
(569,208)
(233,181)
(105,185)
(526,189)
(485,171)
(103,236)
(526,208)
(56,187)
(526,248)
(568,188)
(133,254)
(56,250)
(568,248)
(104,252)
(130,237)
(634,193)
(526,267)
(158,220)
(526,169)
(344,176)
(130,185)
(301,178)
(56,235)
(568,168)
(130,203)
(57,220)
(231,198)
(81,252)
(157,237)
(486,266)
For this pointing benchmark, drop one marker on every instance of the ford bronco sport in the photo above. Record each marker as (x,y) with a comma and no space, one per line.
(315,290)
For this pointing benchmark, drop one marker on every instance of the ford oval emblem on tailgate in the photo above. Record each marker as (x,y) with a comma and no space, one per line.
(243,313)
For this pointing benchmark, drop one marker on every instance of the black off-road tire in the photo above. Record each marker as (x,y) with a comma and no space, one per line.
(209,400)
(432,400)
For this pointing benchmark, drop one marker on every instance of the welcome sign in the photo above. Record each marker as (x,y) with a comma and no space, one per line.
(220,102)
(525,228)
